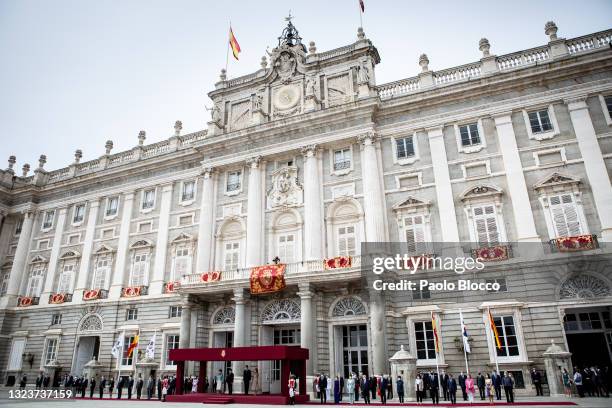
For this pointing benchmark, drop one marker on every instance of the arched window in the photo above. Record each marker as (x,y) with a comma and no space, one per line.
(225,315)
(348,306)
(281,311)
(68,270)
(182,256)
(231,244)
(103,261)
(286,236)
(583,287)
(141,260)
(345,227)
(91,322)
(38,268)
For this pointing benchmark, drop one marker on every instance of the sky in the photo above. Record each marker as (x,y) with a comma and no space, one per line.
(75,73)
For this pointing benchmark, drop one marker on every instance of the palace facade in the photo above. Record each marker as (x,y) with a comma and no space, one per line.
(304,160)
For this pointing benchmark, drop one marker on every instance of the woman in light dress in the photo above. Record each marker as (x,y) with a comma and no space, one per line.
(350,388)
(489,392)
(256,383)
(194,386)
(469,387)
(418,386)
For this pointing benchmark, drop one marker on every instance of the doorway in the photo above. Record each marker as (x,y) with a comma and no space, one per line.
(589,336)
(87,348)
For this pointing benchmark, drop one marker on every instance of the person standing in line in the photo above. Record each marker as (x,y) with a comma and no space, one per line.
(256,384)
(341,385)
(452,389)
(567,383)
(219,380)
(139,385)
(230,381)
(84,387)
(399,388)
(323,388)
(337,389)
(536,379)
(444,385)
(92,387)
(130,386)
(508,384)
(365,389)
(246,378)
(373,386)
(111,387)
(357,385)
(481,386)
(291,389)
(384,384)
(434,388)
(350,388)
(194,384)
(469,388)
(389,388)
(150,386)
(462,377)
(578,382)
(489,388)
(102,386)
(418,387)
(165,386)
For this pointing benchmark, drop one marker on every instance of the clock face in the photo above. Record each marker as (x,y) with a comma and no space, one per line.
(286,97)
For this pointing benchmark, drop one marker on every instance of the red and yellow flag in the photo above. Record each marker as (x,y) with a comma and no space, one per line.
(434,326)
(233,42)
(132,346)
(494,331)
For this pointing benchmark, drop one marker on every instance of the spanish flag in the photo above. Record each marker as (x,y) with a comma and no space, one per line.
(234,43)
(494,331)
(434,326)
(132,346)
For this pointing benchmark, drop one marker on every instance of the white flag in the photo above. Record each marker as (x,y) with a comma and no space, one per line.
(150,353)
(118,346)
(464,334)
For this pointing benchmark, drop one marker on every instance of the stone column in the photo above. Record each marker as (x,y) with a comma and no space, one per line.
(255,212)
(54,257)
(374,207)
(90,232)
(161,247)
(122,247)
(206,248)
(314,243)
(377,333)
(594,163)
(517,188)
(241,329)
(444,191)
(19,260)
(185,323)
(306,325)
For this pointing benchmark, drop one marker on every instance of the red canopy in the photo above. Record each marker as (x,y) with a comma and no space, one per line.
(240,353)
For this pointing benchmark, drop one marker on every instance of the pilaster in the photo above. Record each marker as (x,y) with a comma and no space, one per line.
(122,247)
(53,258)
(161,247)
(314,243)
(19,260)
(206,227)
(90,232)
(372,190)
(255,239)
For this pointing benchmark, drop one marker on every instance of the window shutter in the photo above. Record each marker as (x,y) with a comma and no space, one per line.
(485,224)
(565,215)
(415,233)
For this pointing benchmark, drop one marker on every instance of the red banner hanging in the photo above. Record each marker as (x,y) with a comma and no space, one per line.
(267,279)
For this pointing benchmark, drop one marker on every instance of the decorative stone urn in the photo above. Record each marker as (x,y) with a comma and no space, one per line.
(403,364)
(555,360)
(92,368)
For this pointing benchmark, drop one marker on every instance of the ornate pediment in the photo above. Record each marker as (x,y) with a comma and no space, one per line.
(104,249)
(70,254)
(556,179)
(286,190)
(182,237)
(410,202)
(38,259)
(141,243)
(481,191)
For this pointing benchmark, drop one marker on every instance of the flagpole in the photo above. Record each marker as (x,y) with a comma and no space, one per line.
(467,368)
(228,47)
(494,342)
(437,340)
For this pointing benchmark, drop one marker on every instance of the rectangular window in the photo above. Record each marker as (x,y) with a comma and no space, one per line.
(342,159)
(140,269)
(507,336)
(286,248)
(182,263)
(101,272)
(232,256)
(50,350)
(571,322)
(175,311)
(4,278)
(501,282)
(346,241)
(35,280)
(564,214)
(425,342)
(131,314)
(539,121)
(414,231)
(421,294)
(79,213)
(233,181)
(64,283)
(469,134)
(125,359)
(112,206)
(56,319)
(404,148)
(19,226)
(590,321)
(48,219)
(485,225)
(172,342)
(188,192)
(608,100)
(148,199)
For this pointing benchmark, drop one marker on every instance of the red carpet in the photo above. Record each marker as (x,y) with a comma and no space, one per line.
(461,404)
(210,398)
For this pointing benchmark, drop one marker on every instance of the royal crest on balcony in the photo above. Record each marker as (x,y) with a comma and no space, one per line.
(25,301)
(171,287)
(492,253)
(338,262)
(214,276)
(134,291)
(59,298)
(575,243)
(93,294)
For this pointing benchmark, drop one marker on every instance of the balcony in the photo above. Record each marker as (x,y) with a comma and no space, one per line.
(574,244)
(342,165)
(59,298)
(171,287)
(311,269)
(95,294)
(25,301)
(134,291)
(494,253)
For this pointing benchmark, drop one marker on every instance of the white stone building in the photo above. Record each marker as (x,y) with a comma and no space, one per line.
(303,160)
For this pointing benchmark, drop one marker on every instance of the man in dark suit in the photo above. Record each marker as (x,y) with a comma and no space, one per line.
(496,379)
(159,388)
(536,379)
(120,384)
(452,389)
(323,388)
(229,380)
(84,383)
(445,386)
(434,388)
(246,377)
(130,386)
(480,381)
(384,383)
(365,389)
(46,381)
(150,386)
(102,386)
(92,387)
(139,385)
(461,379)
(373,386)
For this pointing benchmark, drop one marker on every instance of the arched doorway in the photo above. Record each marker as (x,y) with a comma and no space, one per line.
(87,343)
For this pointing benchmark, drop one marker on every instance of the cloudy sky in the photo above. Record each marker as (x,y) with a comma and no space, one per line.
(75,73)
